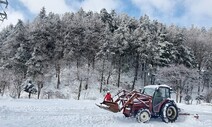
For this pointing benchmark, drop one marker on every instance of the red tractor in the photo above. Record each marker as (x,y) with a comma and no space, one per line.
(153,101)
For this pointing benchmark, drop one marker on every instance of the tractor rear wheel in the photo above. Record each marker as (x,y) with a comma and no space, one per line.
(169,113)
(143,115)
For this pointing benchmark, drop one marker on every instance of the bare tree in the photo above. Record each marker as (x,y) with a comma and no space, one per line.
(18,84)
(4,80)
(178,77)
(197,40)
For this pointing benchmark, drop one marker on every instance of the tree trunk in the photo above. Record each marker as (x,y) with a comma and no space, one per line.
(87,78)
(152,75)
(109,73)
(58,74)
(119,71)
(177,94)
(145,74)
(58,81)
(93,63)
(203,87)
(19,91)
(40,86)
(19,95)
(102,75)
(80,87)
(199,83)
(17,85)
(191,90)
(198,88)
(29,95)
(187,90)
(78,69)
(136,70)
(3,90)
(182,87)
(181,96)
(38,94)
(108,77)
(3,83)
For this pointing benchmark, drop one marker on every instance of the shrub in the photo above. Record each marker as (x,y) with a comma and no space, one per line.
(188,99)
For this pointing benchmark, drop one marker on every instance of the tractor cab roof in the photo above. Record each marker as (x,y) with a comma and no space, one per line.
(158,86)
(151,89)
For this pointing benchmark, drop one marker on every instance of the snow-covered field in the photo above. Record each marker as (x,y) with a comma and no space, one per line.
(84,113)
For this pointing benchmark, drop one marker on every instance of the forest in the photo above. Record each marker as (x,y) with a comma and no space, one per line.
(78,50)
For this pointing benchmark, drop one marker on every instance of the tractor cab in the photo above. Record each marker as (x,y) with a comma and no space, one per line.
(159,93)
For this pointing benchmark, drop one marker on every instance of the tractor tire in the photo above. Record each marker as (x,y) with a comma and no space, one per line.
(169,112)
(143,115)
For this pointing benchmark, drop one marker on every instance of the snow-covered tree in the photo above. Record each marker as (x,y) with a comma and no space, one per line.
(180,52)
(43,48)
(120,45)
(197,40)
(178,77)
(22,55)
(107,43)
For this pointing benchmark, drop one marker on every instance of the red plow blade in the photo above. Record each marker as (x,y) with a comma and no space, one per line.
(110,106)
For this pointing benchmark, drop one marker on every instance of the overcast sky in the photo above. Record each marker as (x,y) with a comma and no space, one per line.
(179,12)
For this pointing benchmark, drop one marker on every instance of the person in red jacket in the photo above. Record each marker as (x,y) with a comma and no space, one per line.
(108,97)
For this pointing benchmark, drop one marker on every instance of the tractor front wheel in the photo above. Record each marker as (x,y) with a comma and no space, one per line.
(169,113)
(143,115)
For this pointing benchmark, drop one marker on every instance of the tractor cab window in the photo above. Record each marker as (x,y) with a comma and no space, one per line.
(163,92)
(148,91)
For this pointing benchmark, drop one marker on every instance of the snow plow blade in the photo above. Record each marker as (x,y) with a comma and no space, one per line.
(110,106)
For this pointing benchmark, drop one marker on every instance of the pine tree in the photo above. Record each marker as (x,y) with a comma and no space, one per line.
(181,53)
(42,51)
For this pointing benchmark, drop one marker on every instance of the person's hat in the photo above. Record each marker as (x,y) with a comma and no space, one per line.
(108,91)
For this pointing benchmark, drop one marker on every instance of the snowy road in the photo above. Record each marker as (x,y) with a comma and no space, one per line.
(84,113)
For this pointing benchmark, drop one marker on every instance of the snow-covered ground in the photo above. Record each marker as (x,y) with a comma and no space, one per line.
(84,113)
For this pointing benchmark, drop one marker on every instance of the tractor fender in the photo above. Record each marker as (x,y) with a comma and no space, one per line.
(167,101)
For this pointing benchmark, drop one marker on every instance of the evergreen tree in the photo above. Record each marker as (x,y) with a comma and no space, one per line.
(22,55)
(43,49)
(181,53)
